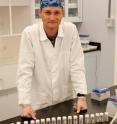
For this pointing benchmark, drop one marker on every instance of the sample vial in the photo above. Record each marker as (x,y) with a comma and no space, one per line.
(101,117)
(106,117)
(80,119)
(42,121)
(25,122)
(64,120)
(75,119)
(37,121)
(87,119)
(59,120)
(69,119)
(32,122)
(47,120)
(97,117)
(92,119)
(18,122)
(53,120)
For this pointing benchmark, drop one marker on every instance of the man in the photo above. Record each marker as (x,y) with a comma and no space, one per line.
(51,62)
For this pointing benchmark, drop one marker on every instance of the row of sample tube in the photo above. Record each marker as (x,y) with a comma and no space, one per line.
(98,118)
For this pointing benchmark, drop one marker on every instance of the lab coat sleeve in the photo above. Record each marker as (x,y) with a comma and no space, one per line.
(25,69)
(77,70)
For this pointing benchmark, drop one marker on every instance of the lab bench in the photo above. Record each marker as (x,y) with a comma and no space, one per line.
(66,109)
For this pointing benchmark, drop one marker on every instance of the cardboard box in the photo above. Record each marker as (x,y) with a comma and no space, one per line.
(101,96)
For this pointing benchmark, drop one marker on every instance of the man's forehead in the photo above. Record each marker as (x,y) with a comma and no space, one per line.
(52,8)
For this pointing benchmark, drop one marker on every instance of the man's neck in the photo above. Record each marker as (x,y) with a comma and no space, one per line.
(51,32)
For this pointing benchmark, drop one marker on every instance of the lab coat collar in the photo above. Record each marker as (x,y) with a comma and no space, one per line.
(43,36)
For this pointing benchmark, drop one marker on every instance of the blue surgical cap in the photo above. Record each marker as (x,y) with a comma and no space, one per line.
(47,3)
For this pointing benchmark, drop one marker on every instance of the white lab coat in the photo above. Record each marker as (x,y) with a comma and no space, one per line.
(48,75)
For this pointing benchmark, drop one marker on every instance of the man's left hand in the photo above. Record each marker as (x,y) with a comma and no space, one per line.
(81,104)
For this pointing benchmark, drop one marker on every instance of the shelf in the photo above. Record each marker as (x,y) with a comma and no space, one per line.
(4,2)
(72,5)
(72,12)
(15,16)
(14,2)
(37,6)
(73,19)
(13,35)
(72,1)
(20,2)
(20,19)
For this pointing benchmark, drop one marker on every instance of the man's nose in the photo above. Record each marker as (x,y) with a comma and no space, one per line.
(52,16)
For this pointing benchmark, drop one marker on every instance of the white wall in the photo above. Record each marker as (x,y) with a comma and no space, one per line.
(94,15)
(115,72)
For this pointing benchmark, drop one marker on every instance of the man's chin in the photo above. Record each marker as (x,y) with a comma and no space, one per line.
(52,27)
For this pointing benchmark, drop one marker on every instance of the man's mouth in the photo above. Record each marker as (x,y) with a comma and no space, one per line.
(52,22)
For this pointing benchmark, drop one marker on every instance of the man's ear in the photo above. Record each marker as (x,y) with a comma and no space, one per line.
(40,12)
(63,12)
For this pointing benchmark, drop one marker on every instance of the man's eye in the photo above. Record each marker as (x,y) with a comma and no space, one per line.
(48,13)
(57,13)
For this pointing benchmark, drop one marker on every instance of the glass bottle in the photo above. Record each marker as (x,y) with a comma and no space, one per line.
(75,119)
(37,121)
(87,119)
(64,120)
(53,120)
(32,122)
(80,119)
(48,121)
(92,119)
(25,122)
(42,121)
(59,120)
(69,119)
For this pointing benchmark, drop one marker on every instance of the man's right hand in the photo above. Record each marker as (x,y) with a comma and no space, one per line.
(28,112)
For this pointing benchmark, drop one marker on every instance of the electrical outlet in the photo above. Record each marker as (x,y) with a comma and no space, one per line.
(110,22)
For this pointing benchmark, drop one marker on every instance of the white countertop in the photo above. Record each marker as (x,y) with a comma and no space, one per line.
(89,47)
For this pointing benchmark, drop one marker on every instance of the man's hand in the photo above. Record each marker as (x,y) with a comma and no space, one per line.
(28,112)
(81,104)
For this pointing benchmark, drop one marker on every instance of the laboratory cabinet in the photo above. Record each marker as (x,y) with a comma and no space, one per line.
(73,10)
(92,65)
(8,94)
(15,15)
(9,105)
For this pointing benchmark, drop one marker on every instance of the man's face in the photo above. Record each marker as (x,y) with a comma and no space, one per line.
(51,17)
